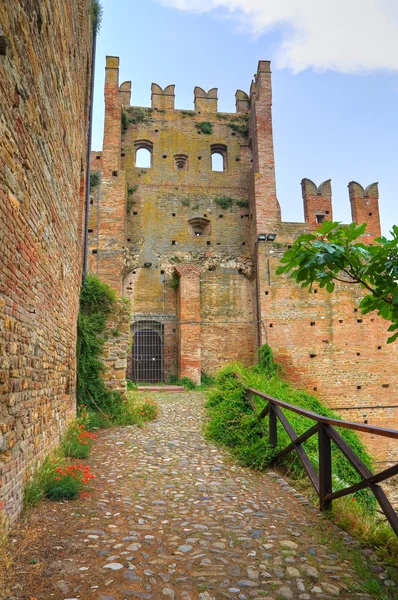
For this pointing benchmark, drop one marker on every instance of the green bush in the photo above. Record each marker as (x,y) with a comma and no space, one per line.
(131,385)
(205,127)
(225,202)
(242,203)
(233,424)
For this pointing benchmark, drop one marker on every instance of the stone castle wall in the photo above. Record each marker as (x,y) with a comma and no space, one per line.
(45,63)
(162,223)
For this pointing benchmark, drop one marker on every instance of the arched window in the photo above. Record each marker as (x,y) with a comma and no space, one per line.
(143,154)
(218,157)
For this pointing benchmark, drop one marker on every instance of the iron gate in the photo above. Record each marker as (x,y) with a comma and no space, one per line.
(147,356)
(153,357)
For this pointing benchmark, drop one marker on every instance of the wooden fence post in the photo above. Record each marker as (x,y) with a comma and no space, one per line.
(273,431)
(325,466)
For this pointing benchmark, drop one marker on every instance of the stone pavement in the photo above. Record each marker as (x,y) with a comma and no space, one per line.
(174,517)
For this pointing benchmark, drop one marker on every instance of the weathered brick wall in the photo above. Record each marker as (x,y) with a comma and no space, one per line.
(326,345)
(43,125)
(116,347)
(157,219)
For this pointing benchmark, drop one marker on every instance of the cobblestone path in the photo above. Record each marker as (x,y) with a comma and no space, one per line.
(173,517)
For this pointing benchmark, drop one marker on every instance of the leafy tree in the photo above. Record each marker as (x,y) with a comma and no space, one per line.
(334,253)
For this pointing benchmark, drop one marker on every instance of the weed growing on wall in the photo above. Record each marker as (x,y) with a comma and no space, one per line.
(240,124)
(94,179)
(174,281)
(131,189)
(97,300)
(205,127)
(138,115)
(124,121)
(96,12)
(242,203)
(225,202)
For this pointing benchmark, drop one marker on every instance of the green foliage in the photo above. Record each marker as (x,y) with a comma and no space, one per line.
(266,362)
(233,424)
(94,179)
(225,202)
(131,386)
(174,281)
(223,117)
(242,203)
(205,127)
(333,253)
(138,115)
(188,383)
(373,532)
(240,124)
(187,113)
(207,381)
(35,489)
(96,11)
(125,121)
(143,408)
(77,441)
(185,382)
(67,488)
(131,189)
(97,300)
(186,202)
(57,480)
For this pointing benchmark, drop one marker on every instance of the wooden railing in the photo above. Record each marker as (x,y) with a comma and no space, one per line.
(324,428)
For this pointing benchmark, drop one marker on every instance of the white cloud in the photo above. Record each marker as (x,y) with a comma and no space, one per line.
(343,35)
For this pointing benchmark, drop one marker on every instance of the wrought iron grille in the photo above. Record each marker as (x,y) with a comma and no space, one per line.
(153,357)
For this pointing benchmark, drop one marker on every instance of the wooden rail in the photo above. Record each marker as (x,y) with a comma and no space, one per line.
(325,429)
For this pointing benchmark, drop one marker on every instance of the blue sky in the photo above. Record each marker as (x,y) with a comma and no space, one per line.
(335,80)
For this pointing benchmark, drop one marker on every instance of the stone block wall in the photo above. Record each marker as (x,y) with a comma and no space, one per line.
(44,99)
(116,347)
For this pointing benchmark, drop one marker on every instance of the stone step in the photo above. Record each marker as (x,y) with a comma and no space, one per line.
(160,388)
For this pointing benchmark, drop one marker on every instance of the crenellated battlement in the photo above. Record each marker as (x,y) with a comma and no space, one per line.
(163,99)
(317,201)
(364,204)
(365,207)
